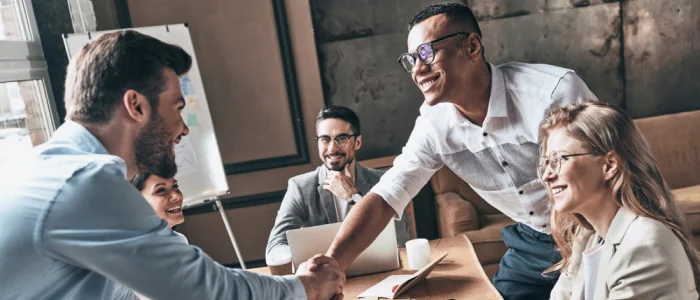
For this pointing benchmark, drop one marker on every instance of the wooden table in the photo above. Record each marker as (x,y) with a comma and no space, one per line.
(458,276)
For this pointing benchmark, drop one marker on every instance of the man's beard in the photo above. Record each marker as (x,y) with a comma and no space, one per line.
(152,149)
(339,167)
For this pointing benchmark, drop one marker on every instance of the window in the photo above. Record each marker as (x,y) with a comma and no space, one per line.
(13,23)
(23,123)
(27,112)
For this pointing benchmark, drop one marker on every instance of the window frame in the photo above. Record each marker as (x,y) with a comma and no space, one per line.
(24,61)
(24,49)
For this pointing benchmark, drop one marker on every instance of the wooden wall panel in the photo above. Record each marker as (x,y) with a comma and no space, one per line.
(251,226)
(242,56)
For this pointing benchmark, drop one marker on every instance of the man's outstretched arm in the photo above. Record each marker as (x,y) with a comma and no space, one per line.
(112,231)
(364,223)
(410,172)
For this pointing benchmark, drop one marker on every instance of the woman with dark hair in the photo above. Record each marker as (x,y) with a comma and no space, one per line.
(164,196)
(620,233)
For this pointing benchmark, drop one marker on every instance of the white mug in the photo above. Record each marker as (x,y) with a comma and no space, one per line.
(418,252)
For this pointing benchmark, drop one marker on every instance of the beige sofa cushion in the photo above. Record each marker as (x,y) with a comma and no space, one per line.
(689,202)
(454,215)
(675,142)
(457,216)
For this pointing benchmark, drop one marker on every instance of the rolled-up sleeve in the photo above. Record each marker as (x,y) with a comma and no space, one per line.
(99,222)
(412,169)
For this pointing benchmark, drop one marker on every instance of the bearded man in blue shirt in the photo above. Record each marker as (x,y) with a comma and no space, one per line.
(72,225)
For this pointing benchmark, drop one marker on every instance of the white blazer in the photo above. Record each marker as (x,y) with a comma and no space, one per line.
(642,259)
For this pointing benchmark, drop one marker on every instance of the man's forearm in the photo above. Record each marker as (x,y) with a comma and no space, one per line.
(362,226)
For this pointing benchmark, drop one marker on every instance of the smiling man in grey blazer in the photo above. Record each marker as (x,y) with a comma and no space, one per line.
(327,194)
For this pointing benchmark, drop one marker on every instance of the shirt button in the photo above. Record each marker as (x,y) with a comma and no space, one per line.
(520,192)
(505,163)
(485,134)
(532,213)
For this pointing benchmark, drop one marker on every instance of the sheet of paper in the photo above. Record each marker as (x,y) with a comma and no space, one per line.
(385,288)
(185,157)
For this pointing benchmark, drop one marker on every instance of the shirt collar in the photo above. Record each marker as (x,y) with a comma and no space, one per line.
(497,101)
(73,133)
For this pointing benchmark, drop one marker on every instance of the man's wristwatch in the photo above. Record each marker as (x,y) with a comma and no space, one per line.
(355,197)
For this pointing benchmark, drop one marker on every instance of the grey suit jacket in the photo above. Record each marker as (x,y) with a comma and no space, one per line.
(641,259)
(307,204)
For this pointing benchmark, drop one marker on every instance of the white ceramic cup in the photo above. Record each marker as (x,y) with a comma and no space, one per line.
(418,252)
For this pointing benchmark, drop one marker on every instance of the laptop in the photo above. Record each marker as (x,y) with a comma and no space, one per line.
(382,255)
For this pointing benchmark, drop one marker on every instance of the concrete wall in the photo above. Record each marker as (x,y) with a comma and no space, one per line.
(640,54)
(662,56)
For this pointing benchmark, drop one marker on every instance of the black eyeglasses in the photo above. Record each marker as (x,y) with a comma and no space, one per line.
(341,140)
(554,161)
(425,52)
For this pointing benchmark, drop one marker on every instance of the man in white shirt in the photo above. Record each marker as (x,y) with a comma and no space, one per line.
(482,122)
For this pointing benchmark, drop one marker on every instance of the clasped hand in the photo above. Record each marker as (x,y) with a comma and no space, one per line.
(322,278)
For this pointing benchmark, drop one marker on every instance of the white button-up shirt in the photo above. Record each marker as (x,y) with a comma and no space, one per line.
(499,159)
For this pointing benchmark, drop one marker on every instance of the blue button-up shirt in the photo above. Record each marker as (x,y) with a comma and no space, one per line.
(72,227)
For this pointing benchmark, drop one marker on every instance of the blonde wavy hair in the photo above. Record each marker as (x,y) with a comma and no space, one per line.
(638,186)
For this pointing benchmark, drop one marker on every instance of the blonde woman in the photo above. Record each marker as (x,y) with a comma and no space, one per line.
(620,233)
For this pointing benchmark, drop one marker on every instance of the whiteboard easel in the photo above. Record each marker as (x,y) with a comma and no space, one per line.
(201,174)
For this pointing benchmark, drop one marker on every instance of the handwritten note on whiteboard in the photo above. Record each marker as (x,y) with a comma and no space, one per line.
(185,157)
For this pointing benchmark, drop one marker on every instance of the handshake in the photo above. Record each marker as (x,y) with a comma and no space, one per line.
(322,278)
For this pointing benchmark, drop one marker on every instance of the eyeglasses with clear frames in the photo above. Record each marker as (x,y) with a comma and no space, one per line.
(341,140)
(554,161)
(425,52)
